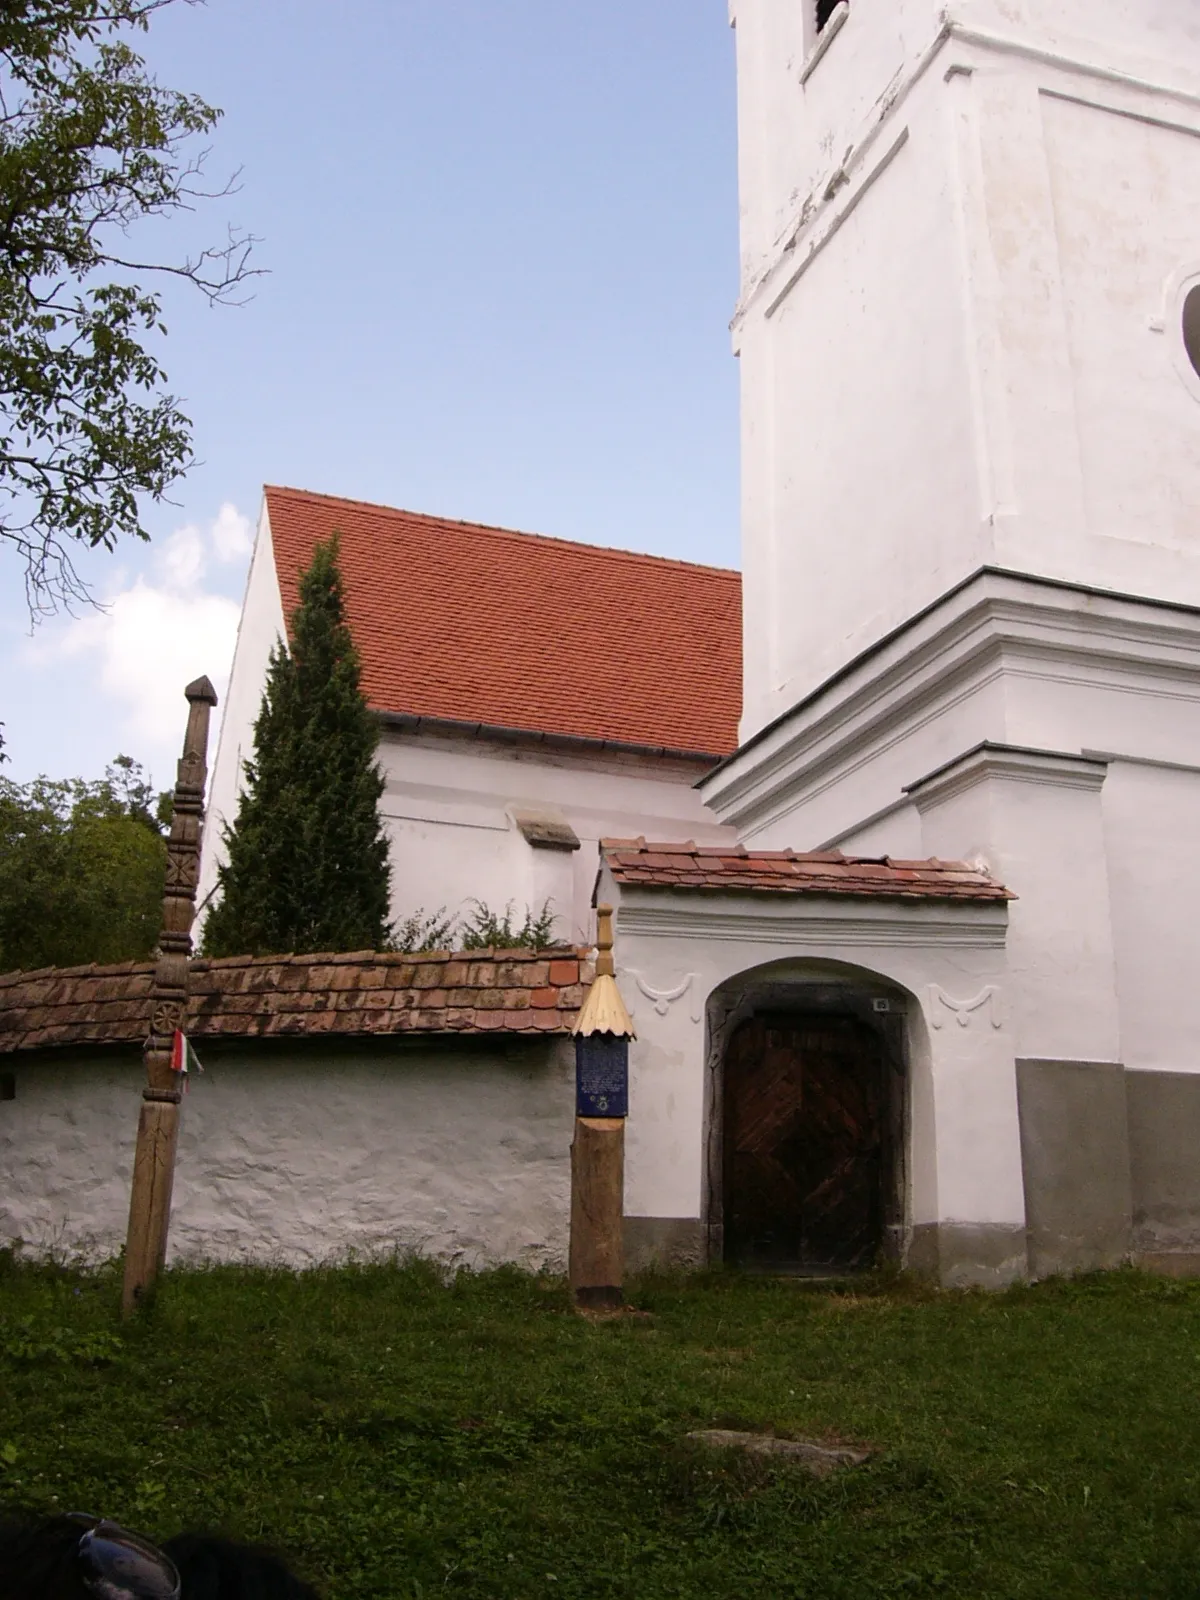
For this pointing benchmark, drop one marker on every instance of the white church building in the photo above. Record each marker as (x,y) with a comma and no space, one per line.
(969,343)
(909,949)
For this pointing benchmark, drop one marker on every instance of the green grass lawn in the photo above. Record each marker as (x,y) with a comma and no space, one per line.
(400,1437)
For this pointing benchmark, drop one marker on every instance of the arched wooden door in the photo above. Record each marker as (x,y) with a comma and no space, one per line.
(804,1161)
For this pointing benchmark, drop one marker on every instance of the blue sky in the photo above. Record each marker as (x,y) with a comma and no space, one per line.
(502,242)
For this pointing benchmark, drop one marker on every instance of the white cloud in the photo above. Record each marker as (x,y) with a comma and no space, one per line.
(181,560)
(160,631)
(149,643)
(232,534)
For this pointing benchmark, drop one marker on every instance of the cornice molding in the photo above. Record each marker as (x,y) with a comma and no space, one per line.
(824,927)
(993,623)
(451,729)
(1063,61)
(1009,763)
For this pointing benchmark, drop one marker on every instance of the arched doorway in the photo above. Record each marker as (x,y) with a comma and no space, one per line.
(805,1136)
(809,1118)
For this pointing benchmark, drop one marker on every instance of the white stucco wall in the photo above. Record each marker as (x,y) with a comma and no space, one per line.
(260,628)
(449,806)
(966,238)
(674,952)
(1150,816)
(458,1154)
(1038,823)
(1088,817)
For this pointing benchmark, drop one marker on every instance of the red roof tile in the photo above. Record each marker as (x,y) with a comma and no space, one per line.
(475,624)
(257,997)
(673,866)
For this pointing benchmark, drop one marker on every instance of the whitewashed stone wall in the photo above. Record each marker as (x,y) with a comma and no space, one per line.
(297,1157)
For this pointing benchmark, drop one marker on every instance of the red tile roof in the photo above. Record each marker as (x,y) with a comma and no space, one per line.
(243,997)
(687,866)
(482,625)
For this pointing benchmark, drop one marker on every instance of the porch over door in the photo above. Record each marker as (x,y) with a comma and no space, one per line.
(805,1120)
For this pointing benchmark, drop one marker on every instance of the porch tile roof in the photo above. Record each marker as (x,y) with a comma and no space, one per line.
(261,997)
(829,872)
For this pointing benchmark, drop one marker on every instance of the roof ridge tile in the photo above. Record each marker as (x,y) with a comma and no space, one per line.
(434,520)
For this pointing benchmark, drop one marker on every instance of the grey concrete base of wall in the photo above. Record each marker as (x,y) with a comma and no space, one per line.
(968,1255)
(665,1244)
(1075,1156)
(1164,1138)
(1170,1264)
(1111,1173)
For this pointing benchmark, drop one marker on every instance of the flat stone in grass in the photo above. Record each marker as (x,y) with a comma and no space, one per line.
(819,1459)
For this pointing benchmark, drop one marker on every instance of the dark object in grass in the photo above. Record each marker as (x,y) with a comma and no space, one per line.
(40,1559)
(79,1557)
(220,1569)
(819,1459)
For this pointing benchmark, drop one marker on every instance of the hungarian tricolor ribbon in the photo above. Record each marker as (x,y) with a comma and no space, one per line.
(183,1057)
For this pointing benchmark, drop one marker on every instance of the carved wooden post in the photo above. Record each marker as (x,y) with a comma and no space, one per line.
(158,1125)
(602,1035)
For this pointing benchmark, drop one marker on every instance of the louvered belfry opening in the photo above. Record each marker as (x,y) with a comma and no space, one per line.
(825,9)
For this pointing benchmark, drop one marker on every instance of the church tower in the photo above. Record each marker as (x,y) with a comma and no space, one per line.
(969,322)
(969,336)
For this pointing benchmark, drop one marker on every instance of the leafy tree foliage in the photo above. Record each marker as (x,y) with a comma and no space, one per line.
(307,867)
(90,146)
(81,869)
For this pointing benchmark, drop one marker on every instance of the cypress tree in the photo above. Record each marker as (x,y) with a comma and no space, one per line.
(307,868)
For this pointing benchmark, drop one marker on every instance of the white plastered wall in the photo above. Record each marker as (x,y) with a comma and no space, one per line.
(1074,685)
(303,1156)
(449,811)
(1036,822)
(260,628)
(966,237)
(1150,818)
(673,952)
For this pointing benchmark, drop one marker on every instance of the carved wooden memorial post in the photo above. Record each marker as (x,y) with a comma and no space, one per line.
(158,1125)
(602,1035)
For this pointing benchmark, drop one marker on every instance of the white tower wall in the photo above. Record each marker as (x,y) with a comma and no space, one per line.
(967,233)
(971,542)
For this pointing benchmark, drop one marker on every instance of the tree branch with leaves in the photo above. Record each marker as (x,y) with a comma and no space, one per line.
(90,146)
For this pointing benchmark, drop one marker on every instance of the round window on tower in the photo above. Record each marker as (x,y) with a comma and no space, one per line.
(1191,326)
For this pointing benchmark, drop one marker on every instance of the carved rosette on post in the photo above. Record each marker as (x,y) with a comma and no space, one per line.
(602,1035)
(158,1124)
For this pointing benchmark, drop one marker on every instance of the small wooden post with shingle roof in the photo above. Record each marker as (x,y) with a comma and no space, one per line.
(602,1035)
(158,1125)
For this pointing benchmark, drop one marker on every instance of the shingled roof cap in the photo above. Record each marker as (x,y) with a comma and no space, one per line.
(349,995)
(687,866)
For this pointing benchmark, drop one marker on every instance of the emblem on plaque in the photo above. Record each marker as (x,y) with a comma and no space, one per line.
(601,1075)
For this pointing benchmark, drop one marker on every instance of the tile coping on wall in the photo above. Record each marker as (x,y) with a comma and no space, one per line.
(360,994)
(828,872)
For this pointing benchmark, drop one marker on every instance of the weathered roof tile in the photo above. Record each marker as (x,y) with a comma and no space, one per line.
(708,868)
(511,991)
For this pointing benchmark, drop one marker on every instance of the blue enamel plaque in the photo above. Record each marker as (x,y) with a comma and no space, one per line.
(601,1076)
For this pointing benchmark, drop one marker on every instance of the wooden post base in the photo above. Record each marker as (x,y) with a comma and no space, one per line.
(150,1199)
(597,1254)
